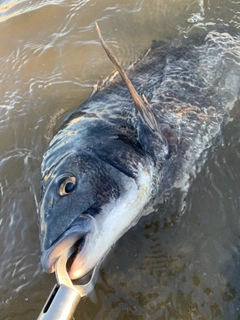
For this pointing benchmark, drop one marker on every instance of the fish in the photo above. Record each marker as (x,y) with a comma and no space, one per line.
(140,133)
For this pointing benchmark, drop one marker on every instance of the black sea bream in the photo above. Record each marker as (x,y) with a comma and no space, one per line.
(118,152)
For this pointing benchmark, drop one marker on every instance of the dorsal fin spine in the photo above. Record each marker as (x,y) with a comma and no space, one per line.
(145,110)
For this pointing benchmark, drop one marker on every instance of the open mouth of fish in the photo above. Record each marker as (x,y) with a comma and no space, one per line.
(77,239)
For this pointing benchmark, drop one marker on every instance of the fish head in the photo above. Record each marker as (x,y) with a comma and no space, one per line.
(88,204)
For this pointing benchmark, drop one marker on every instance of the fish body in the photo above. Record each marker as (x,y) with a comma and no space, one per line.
(110,162)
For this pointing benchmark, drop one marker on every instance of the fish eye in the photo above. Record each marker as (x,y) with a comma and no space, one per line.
(66,185)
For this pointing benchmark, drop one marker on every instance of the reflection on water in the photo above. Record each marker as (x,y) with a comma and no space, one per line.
(49,59)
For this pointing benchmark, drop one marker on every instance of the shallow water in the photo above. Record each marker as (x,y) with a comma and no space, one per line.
(49,59)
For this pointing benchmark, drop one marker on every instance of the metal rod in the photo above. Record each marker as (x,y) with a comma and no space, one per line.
(65,296)
(61,304)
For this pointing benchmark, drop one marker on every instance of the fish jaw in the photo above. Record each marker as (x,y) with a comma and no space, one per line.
(69,238)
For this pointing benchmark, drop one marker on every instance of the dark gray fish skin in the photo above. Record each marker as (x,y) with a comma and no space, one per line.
(112,159)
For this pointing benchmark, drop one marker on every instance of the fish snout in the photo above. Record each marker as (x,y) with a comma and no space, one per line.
(74,236)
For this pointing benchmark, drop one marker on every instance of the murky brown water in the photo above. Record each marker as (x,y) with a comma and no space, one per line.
(49,59)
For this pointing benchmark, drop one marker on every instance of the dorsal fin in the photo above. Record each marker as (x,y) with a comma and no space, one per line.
(144,109)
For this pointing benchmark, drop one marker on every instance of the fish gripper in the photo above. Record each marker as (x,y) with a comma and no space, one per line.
(65,296)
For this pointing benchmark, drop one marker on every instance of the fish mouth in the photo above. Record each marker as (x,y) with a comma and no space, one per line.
(73,237)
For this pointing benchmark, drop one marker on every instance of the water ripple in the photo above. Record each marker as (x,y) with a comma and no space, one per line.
(181,262)
(11,9)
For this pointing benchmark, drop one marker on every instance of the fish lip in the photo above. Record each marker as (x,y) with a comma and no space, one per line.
(67,240)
